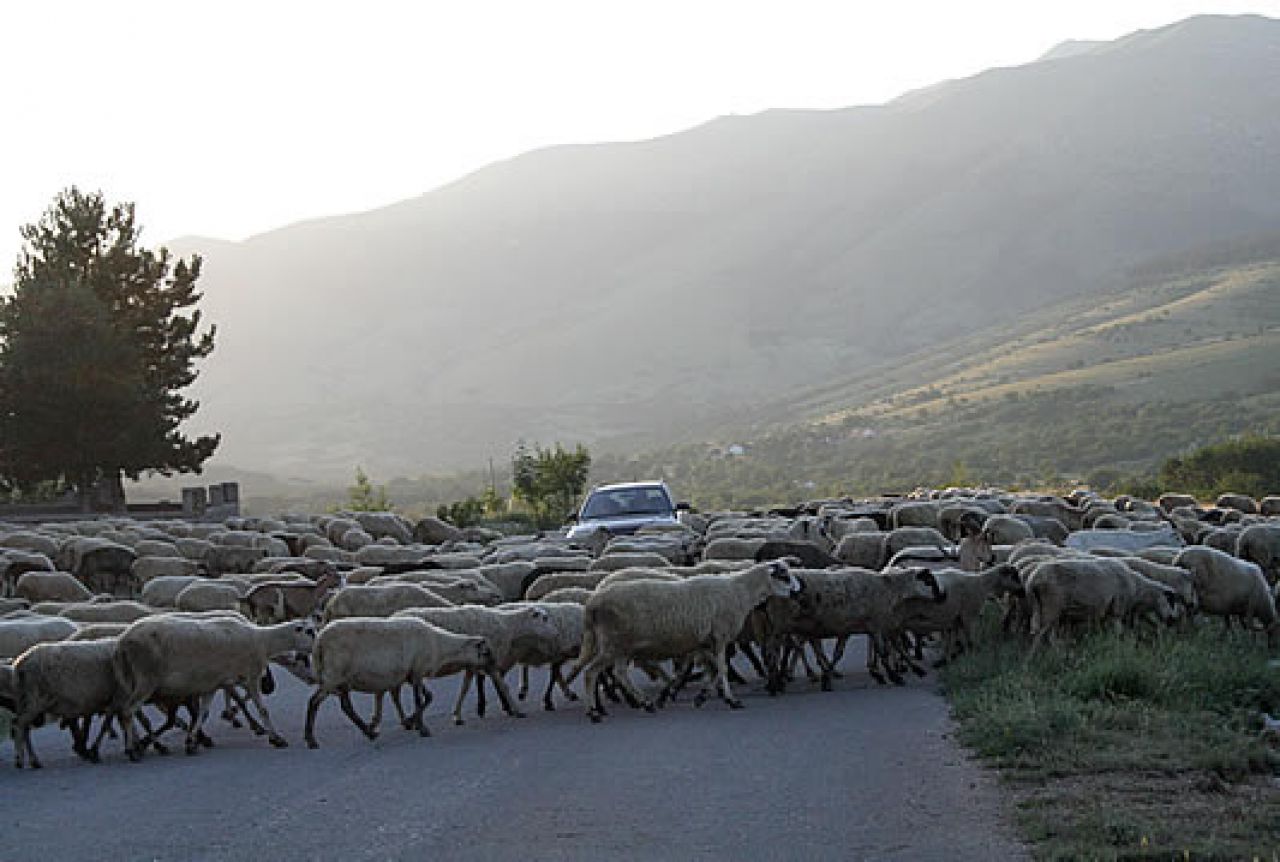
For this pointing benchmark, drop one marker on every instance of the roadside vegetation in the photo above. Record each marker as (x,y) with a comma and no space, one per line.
(1121,748)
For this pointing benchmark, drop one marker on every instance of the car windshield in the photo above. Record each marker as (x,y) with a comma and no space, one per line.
(627,501)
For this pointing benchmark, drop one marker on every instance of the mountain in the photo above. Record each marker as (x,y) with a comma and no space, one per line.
(660,288)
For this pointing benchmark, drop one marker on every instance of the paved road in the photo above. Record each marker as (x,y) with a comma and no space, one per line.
(864,772)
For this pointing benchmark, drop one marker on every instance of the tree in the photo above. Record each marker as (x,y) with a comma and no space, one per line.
(549,480)
(363,497)
(94,350)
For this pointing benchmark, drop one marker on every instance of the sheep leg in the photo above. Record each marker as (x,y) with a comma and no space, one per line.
(406,720)
(22,741)
(873,663)
(481,702)
(376,721)
(197,722)
(591,686)
(421,697)
(553,676)
(753,659)
(722,675)
(504,695)
(313,706)
(836,655)
(230,710)
(349,709)
(557,673)
(524,682)
(230,695)
(628,685)
(462,694)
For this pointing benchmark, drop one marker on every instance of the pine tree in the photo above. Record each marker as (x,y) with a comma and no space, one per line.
(94,350)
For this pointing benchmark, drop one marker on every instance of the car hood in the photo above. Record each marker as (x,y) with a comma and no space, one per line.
(620,525)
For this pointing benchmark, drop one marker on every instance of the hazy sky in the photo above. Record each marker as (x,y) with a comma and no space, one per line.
(230,118)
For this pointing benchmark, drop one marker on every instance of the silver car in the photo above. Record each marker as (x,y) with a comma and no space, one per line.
(623,508)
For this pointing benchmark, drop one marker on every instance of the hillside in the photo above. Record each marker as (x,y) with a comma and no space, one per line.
(658,290)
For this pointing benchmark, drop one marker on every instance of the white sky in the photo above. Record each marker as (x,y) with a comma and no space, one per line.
(230,118)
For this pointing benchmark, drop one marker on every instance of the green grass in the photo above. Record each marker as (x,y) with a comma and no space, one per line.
(1118,748)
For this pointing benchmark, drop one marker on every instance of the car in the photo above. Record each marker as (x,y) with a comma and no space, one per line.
(623,508)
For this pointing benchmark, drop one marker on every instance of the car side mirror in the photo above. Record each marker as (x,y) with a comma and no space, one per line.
(683,507)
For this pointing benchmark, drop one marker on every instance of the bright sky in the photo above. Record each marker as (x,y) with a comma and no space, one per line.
(227,118)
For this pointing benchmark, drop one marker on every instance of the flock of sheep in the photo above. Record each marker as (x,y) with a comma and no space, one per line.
(106,619)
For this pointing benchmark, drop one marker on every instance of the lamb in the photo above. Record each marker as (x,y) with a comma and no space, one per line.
(659,620)
(1229,587)
(381,600)
(17,635)
(378,656)
(277,601)
(1094,589)
(51,587)
(502,628)
(173,658)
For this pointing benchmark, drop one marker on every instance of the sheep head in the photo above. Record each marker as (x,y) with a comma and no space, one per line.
(781,582)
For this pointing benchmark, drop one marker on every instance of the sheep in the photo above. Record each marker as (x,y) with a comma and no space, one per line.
(1240,502)
(612,561)
(277,601)
(574,595)
(51,587)
(15,563)
(1169,502)
(659,620)
(1174,577)
(98,562)
(862,550)
(732,548)
(385,524)
(1111,521)
(915,514)
(147,569)
(806,554)
(19,634)
(842,602)
(1269,506)
(548,583)
(378,656)
(502,628)
(509,578)
(623,576)
(1230,587)
(473,591)
(99,631)
(566,619)
(382,600)
(232,559)
(957,614)
(1006,530)
(207,595)
(162,591)
(106,612)
(1123,540)
(1260,544)
(71,680)
(1071,516)
(1093,589)
(8,606)
(174,658)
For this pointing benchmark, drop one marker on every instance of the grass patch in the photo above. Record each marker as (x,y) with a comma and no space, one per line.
(1118,748)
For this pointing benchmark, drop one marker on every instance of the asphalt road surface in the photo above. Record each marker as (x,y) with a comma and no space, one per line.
(862,772)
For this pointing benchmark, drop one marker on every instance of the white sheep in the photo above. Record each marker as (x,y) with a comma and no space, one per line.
(51,587)
(659,620)
(1230,587)
(502,628)
(1092,590)
(210,595)
(70,680)
(382,600)
(378,656)
(162,591)
(18,634)
(173,658)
